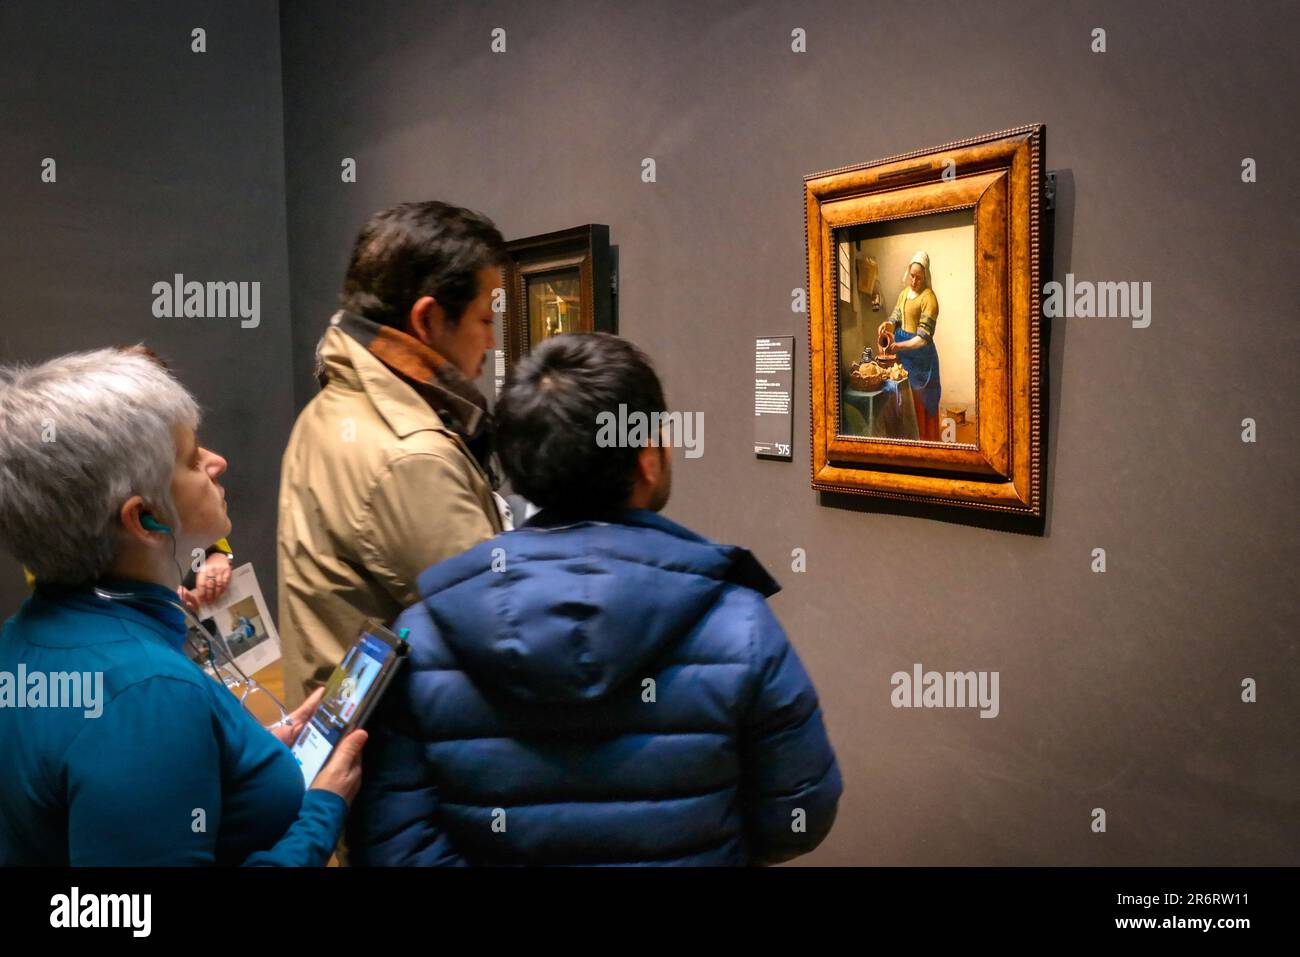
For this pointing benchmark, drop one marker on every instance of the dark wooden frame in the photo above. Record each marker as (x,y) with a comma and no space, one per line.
(1001,177)
(587,248)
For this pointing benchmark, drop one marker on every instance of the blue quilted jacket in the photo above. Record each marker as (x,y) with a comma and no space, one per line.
(608,691)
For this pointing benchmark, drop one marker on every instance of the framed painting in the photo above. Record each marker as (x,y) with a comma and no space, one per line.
(558,282)
(924,324)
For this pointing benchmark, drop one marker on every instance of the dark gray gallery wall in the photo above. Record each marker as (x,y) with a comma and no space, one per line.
(168,161)
(1118,690)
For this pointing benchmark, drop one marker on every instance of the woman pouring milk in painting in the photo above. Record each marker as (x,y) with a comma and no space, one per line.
(912,326)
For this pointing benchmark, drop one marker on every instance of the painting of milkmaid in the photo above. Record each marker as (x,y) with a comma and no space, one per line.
(908,364)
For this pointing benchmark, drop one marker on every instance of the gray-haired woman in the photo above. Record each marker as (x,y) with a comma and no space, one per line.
(103,484)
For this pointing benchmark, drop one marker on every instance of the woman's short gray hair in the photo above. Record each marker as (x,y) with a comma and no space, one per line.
(79,435)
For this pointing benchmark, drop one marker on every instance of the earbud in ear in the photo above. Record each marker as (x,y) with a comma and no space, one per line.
(153,525)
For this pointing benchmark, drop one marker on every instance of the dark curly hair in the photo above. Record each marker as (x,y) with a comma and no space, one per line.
(547,420)
(419,249)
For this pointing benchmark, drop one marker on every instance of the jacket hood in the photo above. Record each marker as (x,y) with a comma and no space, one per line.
(568,608)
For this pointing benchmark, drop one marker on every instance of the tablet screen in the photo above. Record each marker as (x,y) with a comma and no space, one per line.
(345,694)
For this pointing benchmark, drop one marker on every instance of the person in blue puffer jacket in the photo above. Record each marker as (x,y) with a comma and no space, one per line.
(601,686)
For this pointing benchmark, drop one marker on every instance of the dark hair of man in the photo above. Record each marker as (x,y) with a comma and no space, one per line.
(547,420)
(419,249)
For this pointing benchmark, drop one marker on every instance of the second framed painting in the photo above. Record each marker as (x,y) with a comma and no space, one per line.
(924,314)
(559,282)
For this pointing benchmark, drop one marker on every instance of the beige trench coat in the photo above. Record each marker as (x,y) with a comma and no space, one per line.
(374,489)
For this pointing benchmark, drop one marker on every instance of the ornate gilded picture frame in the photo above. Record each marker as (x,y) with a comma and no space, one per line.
(924,324)
(558,282)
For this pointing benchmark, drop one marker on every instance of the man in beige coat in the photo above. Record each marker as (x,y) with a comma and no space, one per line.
(388,469)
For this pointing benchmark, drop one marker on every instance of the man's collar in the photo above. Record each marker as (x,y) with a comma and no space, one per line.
(555,517)
(444,387)
(742,567)
(345,361)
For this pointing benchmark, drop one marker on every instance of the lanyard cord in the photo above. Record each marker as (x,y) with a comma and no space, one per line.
(192,620)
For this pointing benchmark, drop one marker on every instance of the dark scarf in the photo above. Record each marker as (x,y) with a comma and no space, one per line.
(457,400)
